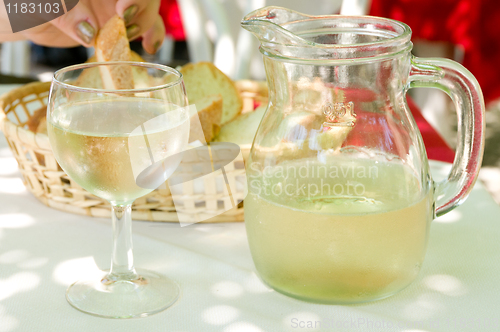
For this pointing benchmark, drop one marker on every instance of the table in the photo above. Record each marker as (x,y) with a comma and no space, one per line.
(43,250)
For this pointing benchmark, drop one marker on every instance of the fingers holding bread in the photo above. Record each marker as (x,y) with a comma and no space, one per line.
(131,10)
(153,38)
(80,24)
(217,98)
(140,16)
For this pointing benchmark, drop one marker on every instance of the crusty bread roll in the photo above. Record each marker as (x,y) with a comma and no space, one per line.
(112,45)
(203,79)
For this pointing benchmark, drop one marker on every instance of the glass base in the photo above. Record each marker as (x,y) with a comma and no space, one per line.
(336,301)
(124,298)
(339,300)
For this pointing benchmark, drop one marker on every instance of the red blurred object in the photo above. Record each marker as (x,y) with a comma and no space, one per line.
(472,24)
(435,145)
(169,11)
(395,138)
(424,23)
(372,123)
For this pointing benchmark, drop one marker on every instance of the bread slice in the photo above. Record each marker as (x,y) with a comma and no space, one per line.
(42,126)
(91,78)
(242,130)
(203,79)
(37,123)
(133,57)
(205,120)
(112,45)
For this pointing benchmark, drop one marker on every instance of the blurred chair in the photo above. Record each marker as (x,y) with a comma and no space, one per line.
(355,7)
(199,44)
(16,58)
(213,30)
(213,34)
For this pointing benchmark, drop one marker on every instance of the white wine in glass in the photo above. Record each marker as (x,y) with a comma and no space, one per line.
(104,140)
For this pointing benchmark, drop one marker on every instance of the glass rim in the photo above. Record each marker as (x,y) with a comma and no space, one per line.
(157,66)
(403,36)
(395,36)
(257,18)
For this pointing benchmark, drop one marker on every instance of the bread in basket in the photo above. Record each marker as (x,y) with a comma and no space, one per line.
(48,183)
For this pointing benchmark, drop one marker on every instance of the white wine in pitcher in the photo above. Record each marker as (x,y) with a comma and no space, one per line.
(340,231)
(341,195)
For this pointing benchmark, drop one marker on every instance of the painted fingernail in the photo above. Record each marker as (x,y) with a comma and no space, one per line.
(156,46)
(129,13)
(85,32)
(132,31)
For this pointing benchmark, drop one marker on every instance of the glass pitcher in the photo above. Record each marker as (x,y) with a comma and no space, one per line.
(340,193)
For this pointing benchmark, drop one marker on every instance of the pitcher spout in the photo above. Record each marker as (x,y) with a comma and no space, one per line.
(267,25)
(291,35)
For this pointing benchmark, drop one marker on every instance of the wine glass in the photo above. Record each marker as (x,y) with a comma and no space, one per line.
(106,140)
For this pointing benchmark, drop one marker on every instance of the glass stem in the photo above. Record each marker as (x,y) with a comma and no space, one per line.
(122,260)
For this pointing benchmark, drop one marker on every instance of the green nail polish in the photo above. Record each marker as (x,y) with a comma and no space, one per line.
(132,31)
(156,46)
(85,32)
(129,13)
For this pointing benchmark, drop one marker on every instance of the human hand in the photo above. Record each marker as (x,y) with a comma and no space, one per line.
(80,24)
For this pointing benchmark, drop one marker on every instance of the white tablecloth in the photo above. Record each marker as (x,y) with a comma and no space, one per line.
(43,250)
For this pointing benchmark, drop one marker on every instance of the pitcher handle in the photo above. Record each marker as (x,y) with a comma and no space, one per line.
(462,87)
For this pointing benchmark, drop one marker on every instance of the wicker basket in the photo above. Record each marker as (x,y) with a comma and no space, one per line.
(44,178)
